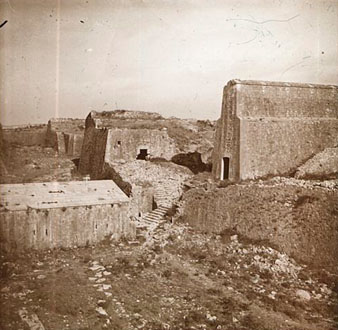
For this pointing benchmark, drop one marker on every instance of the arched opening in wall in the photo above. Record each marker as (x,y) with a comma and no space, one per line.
(225,168)
(143,154)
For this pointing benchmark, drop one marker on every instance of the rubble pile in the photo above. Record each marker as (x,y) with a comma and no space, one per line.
(165,175)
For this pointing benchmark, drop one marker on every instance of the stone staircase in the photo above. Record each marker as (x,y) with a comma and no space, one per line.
(165,196)
(153,219)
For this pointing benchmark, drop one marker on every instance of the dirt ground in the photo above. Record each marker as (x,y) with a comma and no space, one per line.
(172,279)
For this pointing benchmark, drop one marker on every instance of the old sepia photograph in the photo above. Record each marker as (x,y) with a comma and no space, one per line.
(169,164)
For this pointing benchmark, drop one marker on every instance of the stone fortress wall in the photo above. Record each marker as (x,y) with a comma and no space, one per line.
(105,141)
(271,128)
(104,144)
(296,217)
(28,135)
(126,144)
(65,135)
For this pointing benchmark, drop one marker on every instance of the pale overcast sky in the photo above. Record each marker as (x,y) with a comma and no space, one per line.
(67,57)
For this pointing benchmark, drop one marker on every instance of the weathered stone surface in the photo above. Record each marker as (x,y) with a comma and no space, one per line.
(125,114)
(303,294)
(65,135)
(271,128)
(323,165)
(108,144)
(93,152)
(152,182)
(127,143)
(50,215)
(128,132)
(299,218)
(26,135)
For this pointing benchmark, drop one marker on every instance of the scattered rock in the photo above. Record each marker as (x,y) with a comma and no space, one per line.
(94,268)
(234,238)
(5,289)
(31,319)
(303,294)
(101,311)
(41,277)
(106,287)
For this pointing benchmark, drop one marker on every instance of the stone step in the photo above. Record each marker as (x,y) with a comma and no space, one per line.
(165,202)
(160,213)
(162,207)
(149,221)
(152,219)
(164,197)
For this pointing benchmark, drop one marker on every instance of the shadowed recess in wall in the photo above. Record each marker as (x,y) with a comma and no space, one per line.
(109,173)
(193,161)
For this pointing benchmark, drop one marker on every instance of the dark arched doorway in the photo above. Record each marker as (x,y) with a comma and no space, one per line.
(225,168)
(143,154)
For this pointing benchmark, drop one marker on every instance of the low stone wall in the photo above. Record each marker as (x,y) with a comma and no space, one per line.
(26,136)
(141,200)
(141,194)
(73,144)
(65,135)
(299,219)
(63,227)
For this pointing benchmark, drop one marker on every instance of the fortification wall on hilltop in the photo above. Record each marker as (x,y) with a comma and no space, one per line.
(65,135)
(272,128)
(70,125)
(108,144)
(28,135)
(298,219)
(125,114)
